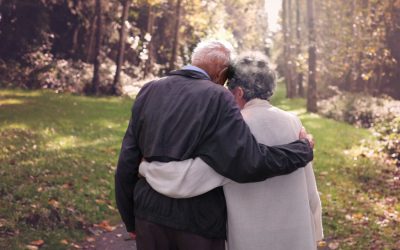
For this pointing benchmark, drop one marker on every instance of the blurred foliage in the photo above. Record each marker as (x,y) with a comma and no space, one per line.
(38,36)
(358,45)
(379,114)
(388,135)
(61,75)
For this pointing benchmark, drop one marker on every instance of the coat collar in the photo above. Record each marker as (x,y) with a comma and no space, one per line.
(189,73)
(257,103)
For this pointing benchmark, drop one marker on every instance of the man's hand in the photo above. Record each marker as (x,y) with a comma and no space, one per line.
(133,235)
(130,236)
(303,135)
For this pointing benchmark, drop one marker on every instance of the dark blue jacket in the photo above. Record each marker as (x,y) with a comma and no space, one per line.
(185,115)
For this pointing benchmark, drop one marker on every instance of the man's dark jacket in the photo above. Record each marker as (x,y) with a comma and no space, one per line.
(185,115)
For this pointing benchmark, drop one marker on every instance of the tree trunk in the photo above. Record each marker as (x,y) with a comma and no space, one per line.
(175,44)
(285,47)
(121,46)
(393,38)
(298,49)
(94,88)
(150,25)
(291,65)
(92,31)
(312,60)
(75,36)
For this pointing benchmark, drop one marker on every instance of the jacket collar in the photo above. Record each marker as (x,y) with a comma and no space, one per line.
(256,102)
(189,73)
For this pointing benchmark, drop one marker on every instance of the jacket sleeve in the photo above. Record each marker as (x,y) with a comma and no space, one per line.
(232,151)
(126,177)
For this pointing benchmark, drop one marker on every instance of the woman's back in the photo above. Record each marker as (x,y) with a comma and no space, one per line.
(276,213)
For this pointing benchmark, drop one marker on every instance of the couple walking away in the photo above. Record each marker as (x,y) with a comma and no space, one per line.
(207,167)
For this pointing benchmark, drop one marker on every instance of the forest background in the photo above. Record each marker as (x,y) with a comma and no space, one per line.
(337,59)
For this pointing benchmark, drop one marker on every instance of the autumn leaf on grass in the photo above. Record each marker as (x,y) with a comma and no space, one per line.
(30,247)
(54,203)
(37,243)
(106,226)
(64,242)
(333,245)
(100,202)
(34,245)
(90,239)
(322,243)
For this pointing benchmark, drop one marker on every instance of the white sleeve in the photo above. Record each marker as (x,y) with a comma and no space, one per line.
(315,202)
(181,179)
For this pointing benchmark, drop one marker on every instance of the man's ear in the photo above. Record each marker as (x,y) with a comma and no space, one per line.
(222,76)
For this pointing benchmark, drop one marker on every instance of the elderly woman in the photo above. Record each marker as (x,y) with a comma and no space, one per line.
(280,213)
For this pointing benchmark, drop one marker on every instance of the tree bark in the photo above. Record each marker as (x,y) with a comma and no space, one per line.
(285,47)
(312,60)
(299,76)
(92,31)
(121,46)
(291,65)
(150,25)
(175,44)
(94,88)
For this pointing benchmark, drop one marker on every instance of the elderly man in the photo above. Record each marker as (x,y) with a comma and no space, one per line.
(186,115)
(260,215)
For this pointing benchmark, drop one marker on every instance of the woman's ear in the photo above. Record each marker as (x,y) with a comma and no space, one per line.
(239,92)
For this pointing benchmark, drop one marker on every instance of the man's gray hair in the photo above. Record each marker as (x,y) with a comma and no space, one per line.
(212,51)
(253,73)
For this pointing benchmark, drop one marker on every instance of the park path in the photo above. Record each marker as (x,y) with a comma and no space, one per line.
(118,240)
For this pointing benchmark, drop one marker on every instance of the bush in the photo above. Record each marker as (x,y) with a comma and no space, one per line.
(360,109)
(41,70)
(382,115)
(388,135)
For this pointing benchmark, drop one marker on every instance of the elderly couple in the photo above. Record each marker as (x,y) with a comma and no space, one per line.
(205,167)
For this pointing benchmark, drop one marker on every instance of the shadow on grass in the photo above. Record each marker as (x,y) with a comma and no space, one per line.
(57,159)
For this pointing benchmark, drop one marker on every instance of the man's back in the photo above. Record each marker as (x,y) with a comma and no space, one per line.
(174,113)
(172,116)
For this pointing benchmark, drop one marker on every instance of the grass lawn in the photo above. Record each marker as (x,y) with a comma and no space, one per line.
(58,153)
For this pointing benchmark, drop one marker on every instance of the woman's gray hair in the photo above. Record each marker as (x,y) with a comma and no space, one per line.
(211,51)
(252,72)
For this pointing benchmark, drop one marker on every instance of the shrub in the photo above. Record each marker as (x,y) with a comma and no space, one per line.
(360,109)
(388,135)
(382,115)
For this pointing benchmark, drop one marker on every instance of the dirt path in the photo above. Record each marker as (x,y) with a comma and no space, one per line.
(117,239)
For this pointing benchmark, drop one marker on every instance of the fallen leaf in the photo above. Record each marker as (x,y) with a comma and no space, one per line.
(54,203)
(106,226)
(90,239)
(321,243)
(2,222)
(64,242)
(75,246)
(30,247)
(100,202)
(111,208)
(67,186)
(37,243)
(333,245)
